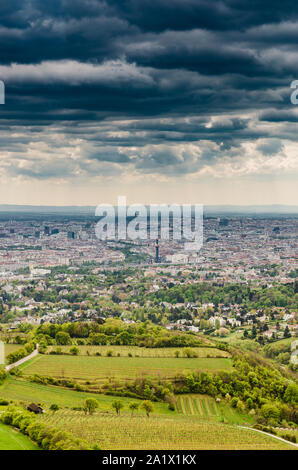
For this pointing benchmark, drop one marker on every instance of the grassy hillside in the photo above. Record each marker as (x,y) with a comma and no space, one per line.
(195,425)
(10,439)
(17,389)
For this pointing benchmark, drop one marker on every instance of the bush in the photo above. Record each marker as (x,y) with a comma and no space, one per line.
(289,437)
(54,407)
(3,375)
(74,351)
(46,437)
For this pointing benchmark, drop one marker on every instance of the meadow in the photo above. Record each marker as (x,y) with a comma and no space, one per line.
(99,370)
(11,439)
(23,391)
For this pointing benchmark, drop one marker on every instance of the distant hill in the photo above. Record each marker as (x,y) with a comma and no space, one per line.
(211,210)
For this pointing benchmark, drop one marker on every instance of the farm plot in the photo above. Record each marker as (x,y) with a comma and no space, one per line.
(135,351)
(182,432)
(197,405)
(204,406)
(102,369)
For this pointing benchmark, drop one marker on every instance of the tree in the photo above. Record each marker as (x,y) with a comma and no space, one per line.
(147,406)
(74,351)
(240,406)
(133,407)
(287,333)
(117,405)
(54,407)
(270,411)
(189,352)
(291,394)
(253,332)
(234,402)
(90,405)
(63,338)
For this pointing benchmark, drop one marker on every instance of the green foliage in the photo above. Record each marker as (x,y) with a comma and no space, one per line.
(3,375)
(133,406)
(47,438)
(148,407)
(54,407)
(20,353)
(115,332)
(74,351)
(291,394)
(250,297)
(117,405)
(90,405)
(63,338)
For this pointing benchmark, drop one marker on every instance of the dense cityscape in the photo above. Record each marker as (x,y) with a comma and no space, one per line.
(54,270)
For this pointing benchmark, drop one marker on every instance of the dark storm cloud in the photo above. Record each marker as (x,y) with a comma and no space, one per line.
(271,147)
(215,15)
(132,78)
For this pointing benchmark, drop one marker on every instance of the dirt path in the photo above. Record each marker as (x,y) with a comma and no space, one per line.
(21,361)
(271,435)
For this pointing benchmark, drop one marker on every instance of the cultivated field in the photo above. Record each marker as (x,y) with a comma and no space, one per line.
(205,406)
(187,428)
(112,432)
(136,351)
(99,370)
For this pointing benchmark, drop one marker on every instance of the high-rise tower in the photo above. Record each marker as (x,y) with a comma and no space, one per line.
(156,251)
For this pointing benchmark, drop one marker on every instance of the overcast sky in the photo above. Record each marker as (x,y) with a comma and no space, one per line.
(159,100)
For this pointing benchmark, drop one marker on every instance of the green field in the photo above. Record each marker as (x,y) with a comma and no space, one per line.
(136,351)
(165,429)
(205,406)
(124,432)
(99,370)
(11,439)
(9,348)
(21,390)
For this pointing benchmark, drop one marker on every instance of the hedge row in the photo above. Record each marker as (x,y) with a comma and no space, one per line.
(3,375)
(20,353)
(287,437)
(46,437)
